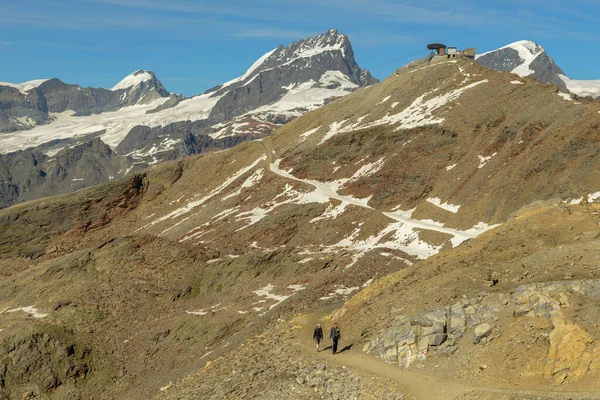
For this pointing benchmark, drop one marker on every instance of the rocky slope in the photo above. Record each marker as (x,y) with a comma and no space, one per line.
(527,58)
(145,124)
(191,261)
(513,308)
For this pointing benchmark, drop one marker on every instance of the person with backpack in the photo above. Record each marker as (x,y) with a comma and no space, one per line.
(318,335)
(335,336)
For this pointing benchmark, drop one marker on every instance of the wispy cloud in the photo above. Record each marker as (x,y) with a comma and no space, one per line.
(377,38)
(272,33)
(257,10)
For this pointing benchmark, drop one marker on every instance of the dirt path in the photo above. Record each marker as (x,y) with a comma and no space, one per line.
(417,385)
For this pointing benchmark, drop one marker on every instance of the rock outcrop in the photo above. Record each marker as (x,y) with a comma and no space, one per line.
(571,351)
(42,362)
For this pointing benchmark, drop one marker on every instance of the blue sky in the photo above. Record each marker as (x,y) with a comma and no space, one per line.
(194,45)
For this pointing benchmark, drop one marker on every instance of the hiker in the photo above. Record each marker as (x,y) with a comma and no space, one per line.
(318,335)
(335,336)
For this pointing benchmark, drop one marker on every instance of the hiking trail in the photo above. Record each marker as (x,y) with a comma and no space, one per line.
(417,385)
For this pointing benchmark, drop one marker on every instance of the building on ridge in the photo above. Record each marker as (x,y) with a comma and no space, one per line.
(440,51)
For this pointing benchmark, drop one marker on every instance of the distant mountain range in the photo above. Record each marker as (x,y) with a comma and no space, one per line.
(59,137)
(527,58)
(138,123)
(29,104)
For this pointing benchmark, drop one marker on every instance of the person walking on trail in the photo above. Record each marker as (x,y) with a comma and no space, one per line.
(335,336)
(318,335)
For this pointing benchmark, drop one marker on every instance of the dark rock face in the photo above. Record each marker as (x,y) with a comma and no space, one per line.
(20,111)
(505,60)
(304,61)
(30,174)
(150,145)
(547,71)
(508,59)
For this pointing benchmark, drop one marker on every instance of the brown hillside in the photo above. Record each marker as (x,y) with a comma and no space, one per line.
(141,282)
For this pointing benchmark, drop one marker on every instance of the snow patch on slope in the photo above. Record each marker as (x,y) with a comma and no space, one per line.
(289,196)
(196,203)
(267,293)
(31,310)
(334,128)
(306,134)
(444,206)
(420,112)
(368,169)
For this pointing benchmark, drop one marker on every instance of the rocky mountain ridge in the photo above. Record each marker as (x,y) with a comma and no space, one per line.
(32,103)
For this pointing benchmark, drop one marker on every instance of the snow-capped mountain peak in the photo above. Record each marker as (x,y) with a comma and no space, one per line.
(527,58)
(293,79)
(330,41)
(524,58)
(134,79)
(527,51)
(139,87)
(525,48)
(304,60)
(24,87)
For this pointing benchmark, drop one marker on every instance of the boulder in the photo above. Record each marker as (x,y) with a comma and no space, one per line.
(481,331)
(438,339)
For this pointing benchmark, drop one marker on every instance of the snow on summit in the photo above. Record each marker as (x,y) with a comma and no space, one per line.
(304,49)
(330,41)
(133,79)
(527,62)
(25,86)
(528,51)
